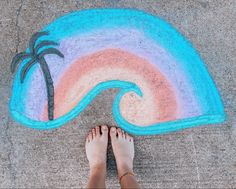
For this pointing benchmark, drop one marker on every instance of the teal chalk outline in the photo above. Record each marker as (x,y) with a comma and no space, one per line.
(160,128)
(78,109)
(205,88)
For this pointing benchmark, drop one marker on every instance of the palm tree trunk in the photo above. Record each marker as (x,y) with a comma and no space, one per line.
(49,86)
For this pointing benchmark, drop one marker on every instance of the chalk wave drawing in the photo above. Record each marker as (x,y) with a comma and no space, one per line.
(163,83)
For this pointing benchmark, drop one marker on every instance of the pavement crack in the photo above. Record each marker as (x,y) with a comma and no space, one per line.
(18,11)
(10,153)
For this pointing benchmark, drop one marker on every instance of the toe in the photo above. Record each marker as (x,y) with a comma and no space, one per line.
(90,136)
(119,131)
(130,138)
(123,133)
(97,129)
(104,130)
(113,132)
(93,133)
(87,139)
(126,135)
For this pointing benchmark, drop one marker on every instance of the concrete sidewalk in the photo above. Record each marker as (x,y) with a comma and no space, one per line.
(202,157)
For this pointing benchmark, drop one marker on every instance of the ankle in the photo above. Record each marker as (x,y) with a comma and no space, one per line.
(98,168)
(123,168)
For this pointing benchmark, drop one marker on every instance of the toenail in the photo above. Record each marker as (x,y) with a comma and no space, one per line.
(113,129)
(104,127)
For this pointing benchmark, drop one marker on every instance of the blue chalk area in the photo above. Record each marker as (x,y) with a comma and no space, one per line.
(82,22)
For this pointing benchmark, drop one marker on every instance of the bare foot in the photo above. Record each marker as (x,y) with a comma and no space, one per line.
(123,148)
(96,147)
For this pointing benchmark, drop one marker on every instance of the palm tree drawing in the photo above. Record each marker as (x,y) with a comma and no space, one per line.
(36,56)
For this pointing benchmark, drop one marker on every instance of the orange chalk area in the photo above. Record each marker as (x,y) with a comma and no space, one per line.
(158,103)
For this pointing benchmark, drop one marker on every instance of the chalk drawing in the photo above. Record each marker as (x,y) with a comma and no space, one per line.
(163,83)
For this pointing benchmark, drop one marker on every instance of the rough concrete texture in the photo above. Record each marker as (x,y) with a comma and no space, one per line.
(202,157)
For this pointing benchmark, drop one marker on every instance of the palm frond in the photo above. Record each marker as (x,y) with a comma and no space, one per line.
(34,38)
(18,58)
(43,44)
(26,68)
(50,51)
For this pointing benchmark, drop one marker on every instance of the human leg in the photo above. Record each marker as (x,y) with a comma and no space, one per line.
(123,148)
(96,151)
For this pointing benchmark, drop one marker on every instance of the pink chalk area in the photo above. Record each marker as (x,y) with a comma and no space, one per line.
(158,104)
